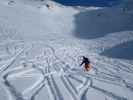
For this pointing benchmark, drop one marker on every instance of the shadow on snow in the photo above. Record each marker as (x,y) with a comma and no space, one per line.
(122,51)
(98,23)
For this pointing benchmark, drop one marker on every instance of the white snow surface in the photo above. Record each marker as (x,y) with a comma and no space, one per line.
(41,49)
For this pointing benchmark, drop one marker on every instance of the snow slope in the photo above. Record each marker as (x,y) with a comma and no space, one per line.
(41,49)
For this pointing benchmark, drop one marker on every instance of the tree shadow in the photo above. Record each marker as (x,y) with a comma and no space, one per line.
(122,51)
(98,23)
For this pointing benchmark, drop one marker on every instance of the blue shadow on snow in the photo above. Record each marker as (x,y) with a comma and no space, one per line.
(122,51)
(98,23)
(98,3)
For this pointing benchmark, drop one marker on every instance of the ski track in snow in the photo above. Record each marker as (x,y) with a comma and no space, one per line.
(27,67)
(55,68)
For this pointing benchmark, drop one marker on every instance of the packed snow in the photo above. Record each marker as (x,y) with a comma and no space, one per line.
(42,43)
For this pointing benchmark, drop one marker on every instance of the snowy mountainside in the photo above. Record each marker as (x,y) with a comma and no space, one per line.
(41,44)
(51,24)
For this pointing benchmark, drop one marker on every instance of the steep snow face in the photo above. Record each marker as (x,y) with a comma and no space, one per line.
(42,44)
(38,21)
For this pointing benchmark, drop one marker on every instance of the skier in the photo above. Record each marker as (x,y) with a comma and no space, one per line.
(86,63)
